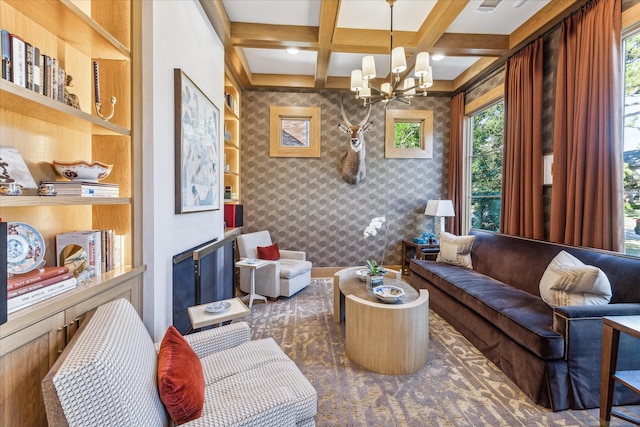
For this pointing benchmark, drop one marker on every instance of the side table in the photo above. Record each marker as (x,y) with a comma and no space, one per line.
(200,318)
(418,248)
(253,265)
(611,328)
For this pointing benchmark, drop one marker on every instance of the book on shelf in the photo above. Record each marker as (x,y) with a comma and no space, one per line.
(36,69)
(33,297)
(85,188)
(28,52)
(21,280)
(5,42)
(38,285)
(53,94)
(18,56)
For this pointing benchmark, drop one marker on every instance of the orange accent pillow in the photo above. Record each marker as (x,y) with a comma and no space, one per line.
(180,378)
(271,253)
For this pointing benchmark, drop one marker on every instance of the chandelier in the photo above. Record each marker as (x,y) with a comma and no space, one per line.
(361,80)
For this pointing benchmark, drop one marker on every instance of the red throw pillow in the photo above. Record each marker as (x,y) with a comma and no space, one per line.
(271,253)
(180,378)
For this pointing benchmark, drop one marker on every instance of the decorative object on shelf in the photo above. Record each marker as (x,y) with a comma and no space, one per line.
(391,90)
(372,229)
(96,88)
(25,248)
(11,189)
(376,274)
(80,170)
(353,167)
(47,190)
(70,98)
(196,148)
(362,274)
(388,293)
(439,208)
(13,169)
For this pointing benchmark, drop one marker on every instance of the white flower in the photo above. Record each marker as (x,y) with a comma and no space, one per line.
(374,225)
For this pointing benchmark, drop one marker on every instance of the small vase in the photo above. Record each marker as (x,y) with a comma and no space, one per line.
(373,281)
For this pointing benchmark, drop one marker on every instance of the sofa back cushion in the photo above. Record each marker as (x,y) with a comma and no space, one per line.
(248,243)
(521,263)
(109,375)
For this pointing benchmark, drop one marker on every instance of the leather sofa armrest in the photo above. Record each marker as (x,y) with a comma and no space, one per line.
(293,254)
(218,339)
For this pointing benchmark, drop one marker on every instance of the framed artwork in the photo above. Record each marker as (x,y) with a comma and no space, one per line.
(197,124)
(294,131)
(408,134)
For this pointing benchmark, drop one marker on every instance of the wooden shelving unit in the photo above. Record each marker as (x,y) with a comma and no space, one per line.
(44,130)
(232,140)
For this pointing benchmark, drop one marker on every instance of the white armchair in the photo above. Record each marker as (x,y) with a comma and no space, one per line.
(285,277)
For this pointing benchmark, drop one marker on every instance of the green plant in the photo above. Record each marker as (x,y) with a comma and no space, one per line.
(374,268)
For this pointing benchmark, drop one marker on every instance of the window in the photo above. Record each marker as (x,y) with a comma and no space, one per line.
(294,131)
(408,134)
(631,150)
(487,130)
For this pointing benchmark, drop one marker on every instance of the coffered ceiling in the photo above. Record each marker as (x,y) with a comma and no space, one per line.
(333,35)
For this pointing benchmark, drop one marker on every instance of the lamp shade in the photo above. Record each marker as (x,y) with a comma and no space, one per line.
(368,67)
(356,80)
(439,208)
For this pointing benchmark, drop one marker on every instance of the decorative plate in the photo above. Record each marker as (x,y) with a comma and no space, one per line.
(217,307)
(252,261)
(25,248)
(388,293)
(362,274)
(80,170)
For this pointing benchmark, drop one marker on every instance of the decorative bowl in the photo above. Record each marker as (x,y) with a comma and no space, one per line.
(80,170)
(388,293)
(362,274)
(217,307)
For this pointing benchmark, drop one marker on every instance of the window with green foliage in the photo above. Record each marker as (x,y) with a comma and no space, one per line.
(407,135)
(487,128)
(631,150)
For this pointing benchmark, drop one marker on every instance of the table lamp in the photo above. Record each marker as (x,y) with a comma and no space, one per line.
(439,208)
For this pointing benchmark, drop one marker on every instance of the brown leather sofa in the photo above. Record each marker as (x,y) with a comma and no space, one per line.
(553,355)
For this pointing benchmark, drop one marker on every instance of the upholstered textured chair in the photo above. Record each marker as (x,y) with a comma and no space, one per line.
(285,277)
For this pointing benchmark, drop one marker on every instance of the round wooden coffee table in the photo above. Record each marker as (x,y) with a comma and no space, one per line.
(391,339)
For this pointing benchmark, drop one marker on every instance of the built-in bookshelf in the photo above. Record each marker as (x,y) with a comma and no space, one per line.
(231,141)
(45,129)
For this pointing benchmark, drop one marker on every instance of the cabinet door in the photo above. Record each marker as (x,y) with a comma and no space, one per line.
(25,358)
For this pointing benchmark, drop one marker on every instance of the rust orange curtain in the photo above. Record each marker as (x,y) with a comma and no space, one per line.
(586,200)
(522,207)
(456,141)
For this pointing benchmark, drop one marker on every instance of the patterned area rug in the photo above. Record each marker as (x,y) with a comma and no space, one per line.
(457,387)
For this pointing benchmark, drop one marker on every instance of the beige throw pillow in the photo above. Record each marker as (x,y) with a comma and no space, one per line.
(568,281)
(455,250)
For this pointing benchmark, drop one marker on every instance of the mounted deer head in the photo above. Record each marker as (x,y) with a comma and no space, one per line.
(353,167)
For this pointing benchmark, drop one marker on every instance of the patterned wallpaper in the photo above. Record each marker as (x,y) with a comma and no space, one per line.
(306,205)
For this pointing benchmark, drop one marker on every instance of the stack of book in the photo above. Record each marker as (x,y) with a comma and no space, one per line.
(85,188)
(103,248)
(24,290)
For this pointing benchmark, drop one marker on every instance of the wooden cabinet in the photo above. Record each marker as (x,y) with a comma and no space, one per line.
(76,33)
(232,141)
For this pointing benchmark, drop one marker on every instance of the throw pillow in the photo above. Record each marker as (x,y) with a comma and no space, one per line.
(271,253)
(568,281)
(455,250)
(180,378)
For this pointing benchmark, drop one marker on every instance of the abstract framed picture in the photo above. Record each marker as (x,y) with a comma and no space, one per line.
(197,124)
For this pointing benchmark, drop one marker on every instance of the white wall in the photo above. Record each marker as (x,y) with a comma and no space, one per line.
(176,34)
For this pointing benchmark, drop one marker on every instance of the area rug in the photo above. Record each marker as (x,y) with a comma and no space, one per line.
(457,387)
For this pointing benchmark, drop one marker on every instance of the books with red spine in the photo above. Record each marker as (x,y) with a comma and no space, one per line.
(20,280)
(38,285)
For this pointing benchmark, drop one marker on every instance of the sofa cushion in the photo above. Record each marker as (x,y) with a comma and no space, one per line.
(293,267)
(525,318)
(568,281)
(270,253)
(180,378)
(455,250)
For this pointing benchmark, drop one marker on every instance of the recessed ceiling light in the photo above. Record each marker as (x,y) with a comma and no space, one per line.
(437,57)
(293,50)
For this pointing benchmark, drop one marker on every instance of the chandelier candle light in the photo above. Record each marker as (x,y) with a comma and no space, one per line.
(361,79)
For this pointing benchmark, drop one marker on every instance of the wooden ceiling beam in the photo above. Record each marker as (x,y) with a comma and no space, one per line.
(328,19)
(457,44)
(283,80)
(365,40)
(247,33)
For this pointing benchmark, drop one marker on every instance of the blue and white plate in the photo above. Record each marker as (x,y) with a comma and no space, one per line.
(25,248)
(388,293)
(217,307)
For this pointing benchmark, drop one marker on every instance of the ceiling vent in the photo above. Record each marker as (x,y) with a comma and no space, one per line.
(489,6)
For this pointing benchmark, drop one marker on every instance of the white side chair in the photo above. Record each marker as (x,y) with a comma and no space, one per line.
(285,277)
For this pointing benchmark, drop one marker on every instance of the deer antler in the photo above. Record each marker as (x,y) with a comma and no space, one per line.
(344,115)
(366,117)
